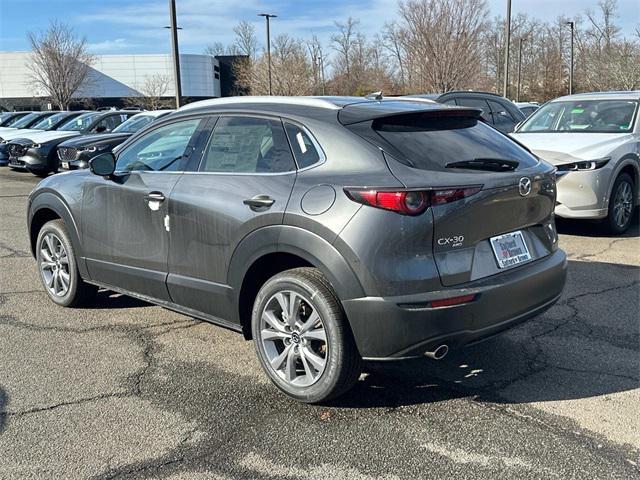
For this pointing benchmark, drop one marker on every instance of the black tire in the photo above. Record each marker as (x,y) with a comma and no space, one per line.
(342,365)
(611,223)
(41,173)
(79,293)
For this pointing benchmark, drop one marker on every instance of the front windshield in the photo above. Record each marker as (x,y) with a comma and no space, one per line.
(81,122)
(26,120)
(49,122)
(593,116)
(134,124)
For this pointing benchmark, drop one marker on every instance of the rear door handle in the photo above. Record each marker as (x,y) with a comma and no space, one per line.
(259,203)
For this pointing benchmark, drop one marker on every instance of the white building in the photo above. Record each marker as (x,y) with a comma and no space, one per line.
(114,77)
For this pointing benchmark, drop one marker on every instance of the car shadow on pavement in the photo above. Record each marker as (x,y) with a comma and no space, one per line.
(587,345)
(4,401)
(593,228)
(106,299)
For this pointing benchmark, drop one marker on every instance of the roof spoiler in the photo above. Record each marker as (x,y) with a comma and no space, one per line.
(364,112)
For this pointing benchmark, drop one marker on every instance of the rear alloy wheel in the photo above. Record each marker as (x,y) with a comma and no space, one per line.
(621,205)
(302,337)
(58,269)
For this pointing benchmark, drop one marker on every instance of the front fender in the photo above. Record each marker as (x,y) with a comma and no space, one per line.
(632,159)
(297,241)
(51,201)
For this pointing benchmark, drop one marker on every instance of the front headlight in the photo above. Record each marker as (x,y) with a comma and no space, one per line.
(583,165)
(87,149)
(35,145)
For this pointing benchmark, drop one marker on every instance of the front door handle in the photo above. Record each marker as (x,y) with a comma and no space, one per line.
(154,199)
(259,203)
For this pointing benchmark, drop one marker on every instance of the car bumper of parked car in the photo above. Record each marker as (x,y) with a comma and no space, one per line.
(407,326)
(75,164)
(583,194)
(32,161)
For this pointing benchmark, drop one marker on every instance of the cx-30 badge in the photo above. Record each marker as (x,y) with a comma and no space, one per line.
(524,186)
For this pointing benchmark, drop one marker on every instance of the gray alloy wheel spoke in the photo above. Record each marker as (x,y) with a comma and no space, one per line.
(49,280)
(48,240)
(277,362)
(315,360)
(317,334)
(293,338)
(64,279)
(46,255)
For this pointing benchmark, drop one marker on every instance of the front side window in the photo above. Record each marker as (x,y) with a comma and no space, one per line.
(107,124)
(594,116)
(303,148)
(248,145)
(500,114)
(81,122)
(134,124)
(159,150)
(27,120)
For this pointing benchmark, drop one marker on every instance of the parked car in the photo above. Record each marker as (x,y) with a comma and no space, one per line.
(594,141)
(77,151)
(51,122)
(497,111)
(328,230)
(26,121)
(7,118)
(37,152)
(527,108)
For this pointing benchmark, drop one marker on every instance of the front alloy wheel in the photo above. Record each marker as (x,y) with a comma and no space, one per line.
(54,266)
(621,205)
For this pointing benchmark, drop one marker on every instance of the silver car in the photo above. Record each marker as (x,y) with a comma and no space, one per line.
(594,141)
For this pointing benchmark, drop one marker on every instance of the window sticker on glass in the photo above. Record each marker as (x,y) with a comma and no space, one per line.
(123,117)
(303,147)
(78,121)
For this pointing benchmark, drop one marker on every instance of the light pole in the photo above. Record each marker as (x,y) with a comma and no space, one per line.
(267,16)
(507,34)
(519,67)
(572,26)
(174,47)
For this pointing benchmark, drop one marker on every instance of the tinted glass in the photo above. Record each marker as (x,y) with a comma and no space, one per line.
(430,143)
(81,122)
(451,101)
(528,110)
(49,122)
(161,149)
(502,119)
(479,104)
(109,123)
(303,148)
(248,145)
(134,124)
(13,119)
(25,121)
(595,116)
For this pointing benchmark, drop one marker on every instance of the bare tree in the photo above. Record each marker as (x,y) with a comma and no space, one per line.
(152,92)
(59,63)
(215,49)
(246,42)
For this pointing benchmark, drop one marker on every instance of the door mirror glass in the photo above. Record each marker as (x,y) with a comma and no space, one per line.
(103,164)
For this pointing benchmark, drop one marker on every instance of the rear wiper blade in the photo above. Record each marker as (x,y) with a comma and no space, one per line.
(490,164)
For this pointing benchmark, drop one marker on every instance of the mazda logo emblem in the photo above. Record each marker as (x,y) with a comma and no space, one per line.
(524,186)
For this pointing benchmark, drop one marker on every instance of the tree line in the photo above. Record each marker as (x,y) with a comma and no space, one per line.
(443,45)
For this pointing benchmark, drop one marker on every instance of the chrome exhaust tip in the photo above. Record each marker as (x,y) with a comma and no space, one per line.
(439,353)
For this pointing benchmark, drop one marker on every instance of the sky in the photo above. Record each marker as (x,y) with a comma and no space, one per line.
(136,26)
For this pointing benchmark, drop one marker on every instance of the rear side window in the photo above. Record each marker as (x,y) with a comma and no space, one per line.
(430,143)
(248,145)
(478,103)
(303,148)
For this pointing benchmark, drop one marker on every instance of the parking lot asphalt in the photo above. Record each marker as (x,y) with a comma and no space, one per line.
(130,390)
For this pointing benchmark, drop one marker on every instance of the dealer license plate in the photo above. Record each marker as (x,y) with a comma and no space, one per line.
(510,249)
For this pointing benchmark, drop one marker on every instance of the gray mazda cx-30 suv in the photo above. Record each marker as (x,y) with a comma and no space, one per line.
(328,230)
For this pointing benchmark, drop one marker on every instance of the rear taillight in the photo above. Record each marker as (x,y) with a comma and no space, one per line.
(408,202)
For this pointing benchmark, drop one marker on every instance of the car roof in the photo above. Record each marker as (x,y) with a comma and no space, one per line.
(349,109)
(151,113)
(613,95)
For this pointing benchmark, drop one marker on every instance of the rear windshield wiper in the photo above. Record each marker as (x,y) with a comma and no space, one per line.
(489,164)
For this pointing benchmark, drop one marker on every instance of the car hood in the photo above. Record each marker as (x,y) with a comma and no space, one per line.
(559,148)
(99,139)
(19,132)
(43,137)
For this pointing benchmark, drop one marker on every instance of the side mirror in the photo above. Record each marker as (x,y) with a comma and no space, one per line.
(101,128)
(103,164)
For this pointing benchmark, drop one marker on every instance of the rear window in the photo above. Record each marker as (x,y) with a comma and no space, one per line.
(430,143)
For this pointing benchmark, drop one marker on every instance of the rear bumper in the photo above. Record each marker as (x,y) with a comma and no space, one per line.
(401,327)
